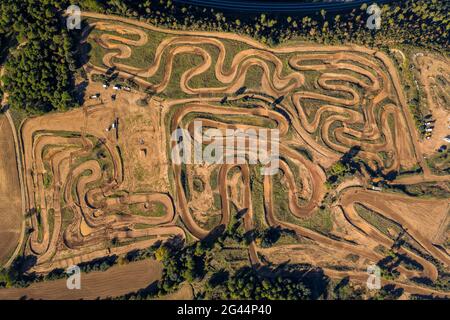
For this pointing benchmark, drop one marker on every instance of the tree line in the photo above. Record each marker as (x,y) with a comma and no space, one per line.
(420,23)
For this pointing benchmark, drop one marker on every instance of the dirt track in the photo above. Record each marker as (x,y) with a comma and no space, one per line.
(332,98)
(100,209)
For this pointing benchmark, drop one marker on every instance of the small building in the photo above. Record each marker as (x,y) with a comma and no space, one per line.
(95,96)
(105,85)
(127,88)
(447,139)
(117,87)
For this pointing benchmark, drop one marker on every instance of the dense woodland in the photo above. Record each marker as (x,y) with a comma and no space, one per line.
(38,72)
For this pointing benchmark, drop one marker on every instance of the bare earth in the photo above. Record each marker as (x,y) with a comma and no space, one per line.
(10,194)
(117,281)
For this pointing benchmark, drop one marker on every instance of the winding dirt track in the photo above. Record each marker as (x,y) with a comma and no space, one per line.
(356,87)
(411,216)
(101,223)
(330,99)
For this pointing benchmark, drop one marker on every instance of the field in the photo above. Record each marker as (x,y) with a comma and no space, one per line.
(117,281)
(99,179)
(10,200)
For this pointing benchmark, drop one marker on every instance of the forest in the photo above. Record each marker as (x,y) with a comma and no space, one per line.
(39,64)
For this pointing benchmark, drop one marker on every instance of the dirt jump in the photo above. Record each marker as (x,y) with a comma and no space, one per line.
(100,180)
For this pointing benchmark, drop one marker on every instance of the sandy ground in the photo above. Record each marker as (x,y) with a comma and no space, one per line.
(429,67)
(116,281)
(10,193)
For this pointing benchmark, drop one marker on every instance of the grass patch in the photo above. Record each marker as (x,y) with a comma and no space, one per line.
(381,223)
(321,221)
(257,190)
(157,209)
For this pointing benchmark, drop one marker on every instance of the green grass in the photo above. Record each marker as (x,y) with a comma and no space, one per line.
(439,163)
(48,178)
(211,222)
(213,180)
(185,182)
(232,119)
(157,210)
(424,190)
(217,201)
(18,116)
(144,56)
(139,172)
(40,226)
(198,184)
(66,217)
(378,221)
(51,220)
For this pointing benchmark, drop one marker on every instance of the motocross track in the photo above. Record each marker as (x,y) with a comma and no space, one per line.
(84,164)
(324,100)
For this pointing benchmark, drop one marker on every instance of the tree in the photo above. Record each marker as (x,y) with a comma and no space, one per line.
(162,253)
